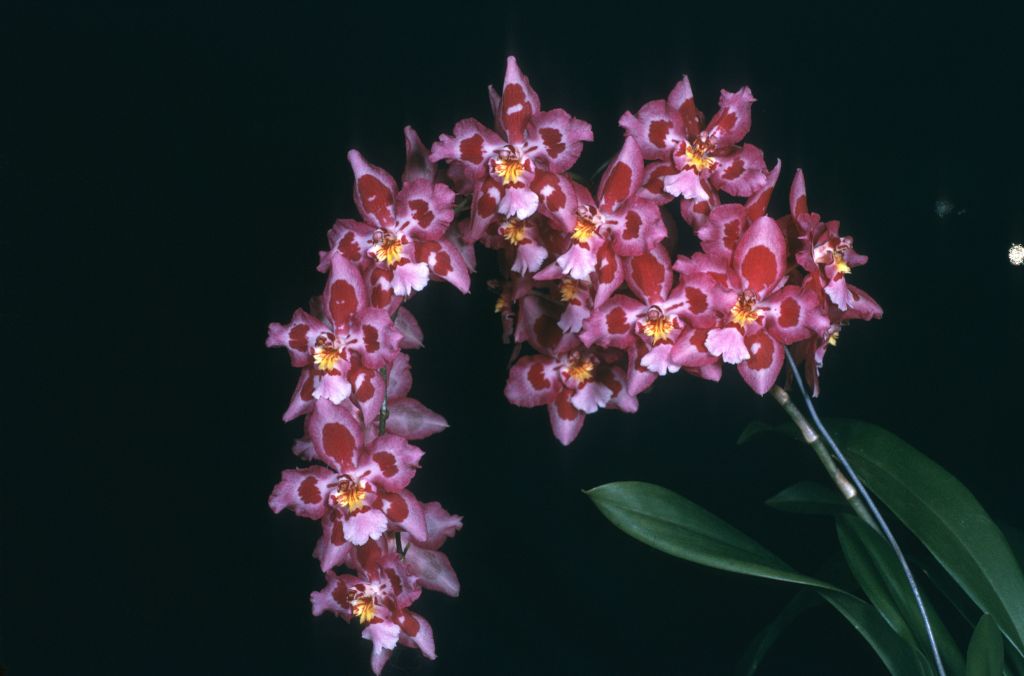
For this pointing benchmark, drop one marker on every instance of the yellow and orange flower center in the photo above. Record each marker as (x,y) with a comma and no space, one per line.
(584,230)
(513,230)
(588,222)
(580,368)
(363,604)
(350,494)
(658,327)
(833,337)
(839,261)
(700,154)
(745,310)
(327,352)
(569,289)
(386,248)
(507,165)
(501,306)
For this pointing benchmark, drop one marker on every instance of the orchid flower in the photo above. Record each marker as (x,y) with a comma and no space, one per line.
(828,257)
(401,240)
(569,378)
(758,313)
(518,168)
(361,493)
(619,217)
(658,325)
(378,597)
(709,158)
(333,350)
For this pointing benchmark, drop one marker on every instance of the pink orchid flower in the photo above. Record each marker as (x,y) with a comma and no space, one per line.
(567,377)
(517,169)
(361,494)
(828,257)
(707,158)
(619,217)
(658,325)
(331,351)
(402,238)
(378,597)
(758,313)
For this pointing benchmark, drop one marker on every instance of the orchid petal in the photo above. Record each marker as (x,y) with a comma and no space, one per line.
(766,359)
(304,491)
(760,256)
(533,381)
(559,137)
(374,191)
(519,102)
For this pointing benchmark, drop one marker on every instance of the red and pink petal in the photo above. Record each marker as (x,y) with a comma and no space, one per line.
(649,275)
(559,138)
(611,325)
(519,102)
(425,209)
(304,491)
(471,145)
(732,121)
(766,360)
(444,261)
(656,128)
(566,420)
(345,293)
(760,256)
(622,178)
(337,436)
(374,191)
(742,172)
(533,381)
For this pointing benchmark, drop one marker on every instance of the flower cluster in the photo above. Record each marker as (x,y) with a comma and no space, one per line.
(359,420)
(592,285)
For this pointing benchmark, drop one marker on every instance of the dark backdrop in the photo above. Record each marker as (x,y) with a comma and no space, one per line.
(168,173)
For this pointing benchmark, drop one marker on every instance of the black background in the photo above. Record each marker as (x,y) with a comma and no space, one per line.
(167,175)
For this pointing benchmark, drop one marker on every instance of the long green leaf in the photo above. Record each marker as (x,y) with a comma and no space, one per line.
(897,655)
(669,522)
(879,574)
(808,497)
(944,515)
(985,652)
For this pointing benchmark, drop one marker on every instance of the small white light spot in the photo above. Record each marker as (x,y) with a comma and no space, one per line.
(1016,254)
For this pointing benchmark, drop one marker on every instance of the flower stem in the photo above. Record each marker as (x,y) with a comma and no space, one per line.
(382,418)
(871,506)
(846,489)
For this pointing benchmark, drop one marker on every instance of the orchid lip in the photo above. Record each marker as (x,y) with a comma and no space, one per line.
(745,310)
(508,165)
(657,326)
(579,369)
(327,351)
(387,248)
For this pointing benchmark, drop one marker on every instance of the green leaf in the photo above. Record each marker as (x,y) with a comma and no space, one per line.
(879,574)
(985,652)
(808,497)
(670,523)
(944,515)
(897,655)
(751,658)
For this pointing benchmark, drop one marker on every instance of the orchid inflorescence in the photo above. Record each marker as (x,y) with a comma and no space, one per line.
(589,285)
